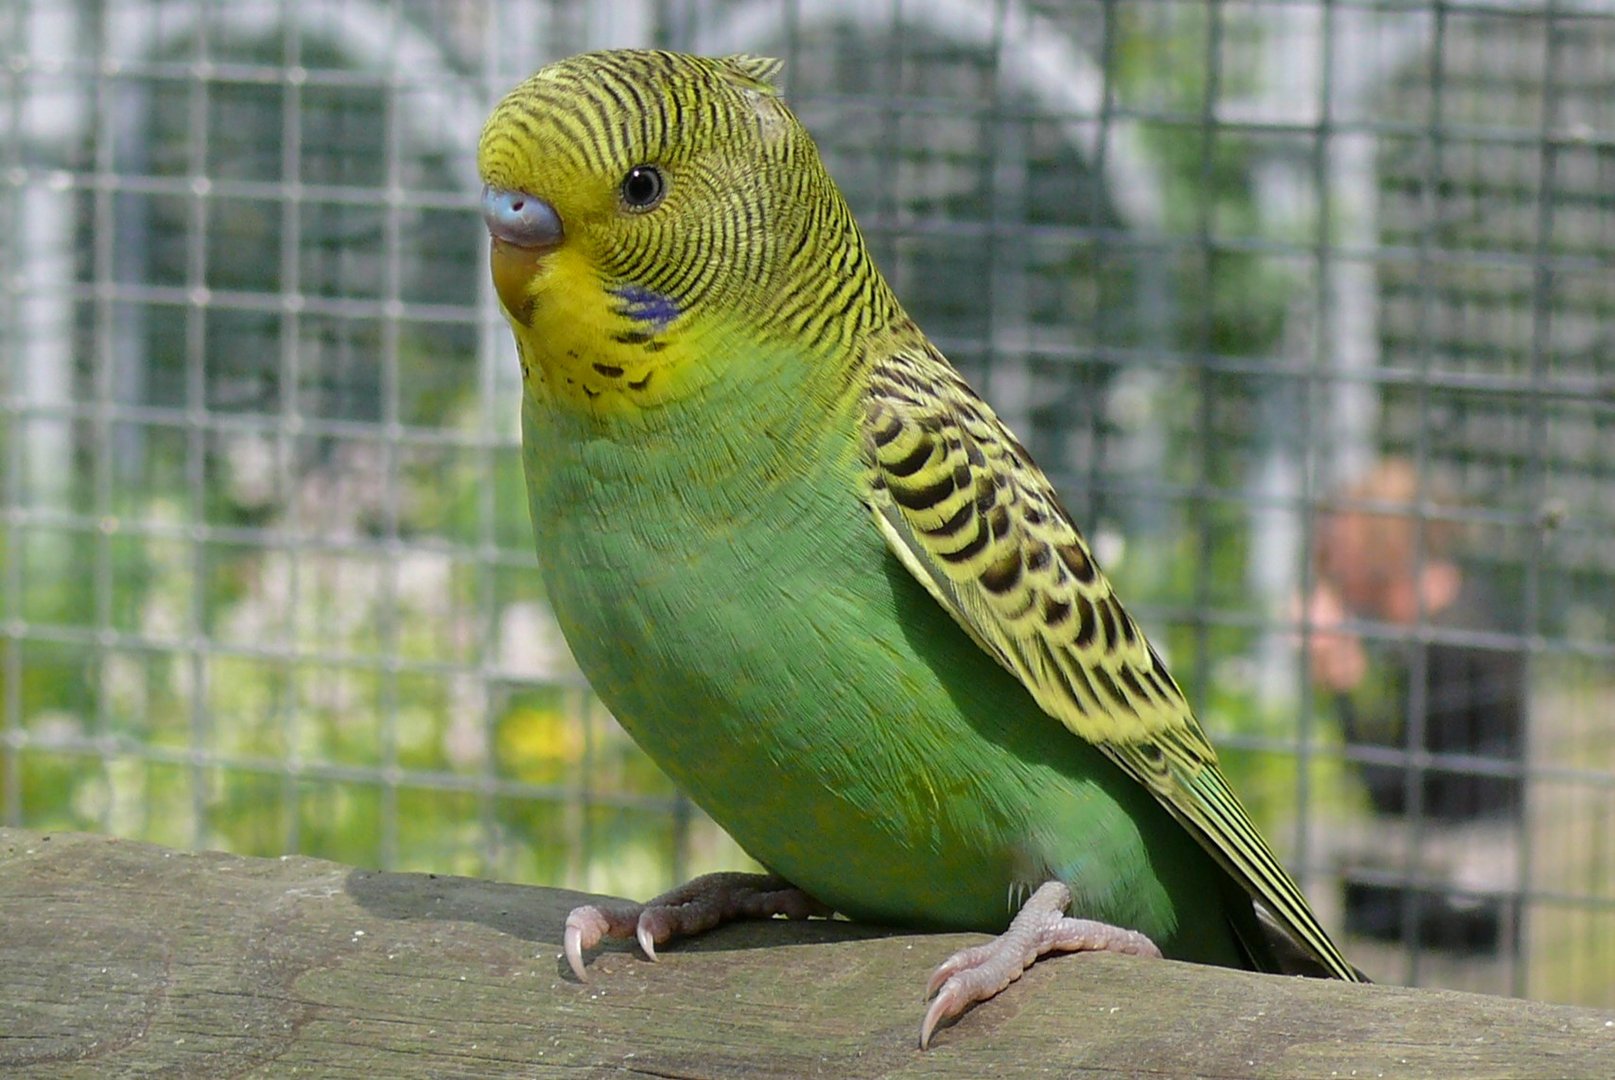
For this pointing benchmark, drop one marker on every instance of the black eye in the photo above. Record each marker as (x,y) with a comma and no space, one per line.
(643,187)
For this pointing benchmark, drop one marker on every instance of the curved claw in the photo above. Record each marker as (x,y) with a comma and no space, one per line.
(981,972)
(585,926)
(645,935)
(572,946)
(689,909)
(946,1006)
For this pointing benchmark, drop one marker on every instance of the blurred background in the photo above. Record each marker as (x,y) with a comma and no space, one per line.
(1307,306)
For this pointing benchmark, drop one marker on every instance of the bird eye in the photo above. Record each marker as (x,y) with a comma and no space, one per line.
(643,187)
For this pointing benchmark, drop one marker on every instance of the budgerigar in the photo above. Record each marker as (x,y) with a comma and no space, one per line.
(816,578)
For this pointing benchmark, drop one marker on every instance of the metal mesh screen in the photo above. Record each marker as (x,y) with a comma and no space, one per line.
(1308,307)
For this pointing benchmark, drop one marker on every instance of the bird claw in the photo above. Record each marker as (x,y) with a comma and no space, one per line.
(591,924)
(947,1005)
(572,947)
(970,976)
(980,972)
(585,927)
(689,909)
(647,936)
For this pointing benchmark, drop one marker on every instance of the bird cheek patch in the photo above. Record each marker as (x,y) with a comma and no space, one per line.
(642,305)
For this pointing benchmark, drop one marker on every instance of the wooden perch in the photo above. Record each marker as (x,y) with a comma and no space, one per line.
(119,958)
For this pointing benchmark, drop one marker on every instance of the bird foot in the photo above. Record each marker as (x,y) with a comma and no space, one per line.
(1041,927)
(697,905)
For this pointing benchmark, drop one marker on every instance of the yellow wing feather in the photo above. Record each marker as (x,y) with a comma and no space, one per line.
(971,516)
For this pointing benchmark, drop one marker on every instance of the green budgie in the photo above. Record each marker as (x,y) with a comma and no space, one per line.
(814,576)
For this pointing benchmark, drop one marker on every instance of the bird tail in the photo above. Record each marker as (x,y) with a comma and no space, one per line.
(1270,947)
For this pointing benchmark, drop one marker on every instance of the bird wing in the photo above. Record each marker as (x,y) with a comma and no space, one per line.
(963,506)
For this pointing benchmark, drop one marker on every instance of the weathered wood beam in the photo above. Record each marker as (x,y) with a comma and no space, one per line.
(120,958)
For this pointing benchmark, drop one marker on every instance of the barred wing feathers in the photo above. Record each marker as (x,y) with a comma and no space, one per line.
(963,506)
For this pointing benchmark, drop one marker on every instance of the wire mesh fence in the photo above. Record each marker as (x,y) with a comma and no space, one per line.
(1307,306)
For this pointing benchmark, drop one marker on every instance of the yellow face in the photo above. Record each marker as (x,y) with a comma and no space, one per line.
(628,200)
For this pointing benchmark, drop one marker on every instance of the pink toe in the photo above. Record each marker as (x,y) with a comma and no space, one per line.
(585,926)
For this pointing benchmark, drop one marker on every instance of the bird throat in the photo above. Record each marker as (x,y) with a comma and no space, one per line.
(598,345)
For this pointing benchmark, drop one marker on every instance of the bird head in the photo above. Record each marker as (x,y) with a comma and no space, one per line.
(642,207)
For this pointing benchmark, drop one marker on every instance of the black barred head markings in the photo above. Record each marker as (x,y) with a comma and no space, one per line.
(745,226)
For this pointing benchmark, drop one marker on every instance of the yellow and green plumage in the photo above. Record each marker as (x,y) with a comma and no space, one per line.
(806,566)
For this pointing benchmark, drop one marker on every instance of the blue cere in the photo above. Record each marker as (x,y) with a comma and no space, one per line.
(520,219)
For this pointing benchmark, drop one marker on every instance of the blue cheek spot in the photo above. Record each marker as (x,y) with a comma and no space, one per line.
(645,306)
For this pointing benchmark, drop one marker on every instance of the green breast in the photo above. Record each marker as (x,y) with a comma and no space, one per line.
(729,598)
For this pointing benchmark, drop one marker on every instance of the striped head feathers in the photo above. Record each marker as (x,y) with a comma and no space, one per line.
(635,197)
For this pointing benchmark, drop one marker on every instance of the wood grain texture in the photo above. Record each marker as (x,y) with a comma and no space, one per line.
(120,958)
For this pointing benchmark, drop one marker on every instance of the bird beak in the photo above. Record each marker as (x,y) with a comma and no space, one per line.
(524,228)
